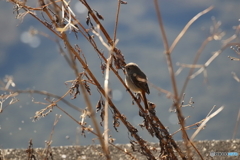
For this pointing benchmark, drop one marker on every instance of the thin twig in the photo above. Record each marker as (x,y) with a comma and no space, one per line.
(210,60)
(59,98)
(85,95)
(200,50)
(237,124)
(184,30)
(173,78)
(116,21)
(205,121)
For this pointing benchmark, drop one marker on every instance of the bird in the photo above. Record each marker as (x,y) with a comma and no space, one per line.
(136,80)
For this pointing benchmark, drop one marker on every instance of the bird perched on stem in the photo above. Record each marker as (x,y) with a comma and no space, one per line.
(136,80)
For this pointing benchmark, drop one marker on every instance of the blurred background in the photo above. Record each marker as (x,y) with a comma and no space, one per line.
(34,62)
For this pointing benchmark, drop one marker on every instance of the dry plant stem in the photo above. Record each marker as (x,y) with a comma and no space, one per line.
(188,127)
(177,39)
(116,73)
(205,121)
(107,77)
(209,61)
(236,126)
(31,13)
(51,135)
(211,110)
(128,125)
(95,124)
(106,101)
(162,127)
(200,50)
(76,72)
(60,98)
(235,76)
(168,93)
(144,99)
(86,98)
(110,41)
(197,123)
(167,136)
(85,128)
(156,119)
(97,21)
(173,80)
(109,62)
(116,22)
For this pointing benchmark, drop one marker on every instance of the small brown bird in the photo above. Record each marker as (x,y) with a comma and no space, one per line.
(136,80)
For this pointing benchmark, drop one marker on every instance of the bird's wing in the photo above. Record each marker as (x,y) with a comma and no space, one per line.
(140,81)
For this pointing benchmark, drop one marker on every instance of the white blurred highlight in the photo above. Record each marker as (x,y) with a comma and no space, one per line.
(80,8)
(32,40)
(117,95)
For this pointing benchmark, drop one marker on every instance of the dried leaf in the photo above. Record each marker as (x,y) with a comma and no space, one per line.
(78,49)
(123,2)
(141,125)
(41,3)
(99,16)
(117,64)
(88,20)
(102,116)
(87,87)
(83,132)
(116,123)
(151,108)
(98,106)
(119,59)
(103,67)
(102,101)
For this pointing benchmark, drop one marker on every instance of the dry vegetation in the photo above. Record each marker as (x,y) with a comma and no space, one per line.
(59,18)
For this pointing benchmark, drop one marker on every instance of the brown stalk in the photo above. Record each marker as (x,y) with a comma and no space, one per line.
(200,50)
(93,118)
(94,79)
(60,98)
(127,124)
(209,61)
(236,125)
(116,21)
(98,22)
(49,142)
(84,127)
(173,80)
(162,126)
(177,39)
